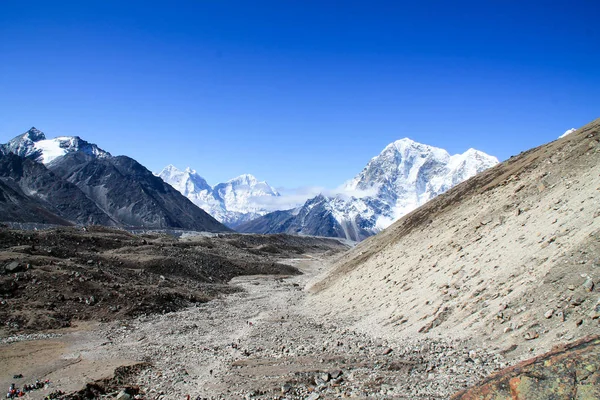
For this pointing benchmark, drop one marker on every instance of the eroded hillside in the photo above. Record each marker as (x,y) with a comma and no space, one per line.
(510,258)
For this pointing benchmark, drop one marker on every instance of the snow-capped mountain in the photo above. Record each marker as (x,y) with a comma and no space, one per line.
(232,202)
(405,175)
(67,180)
(33,144)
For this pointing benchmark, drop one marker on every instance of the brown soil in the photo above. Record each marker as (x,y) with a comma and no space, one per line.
(70,274)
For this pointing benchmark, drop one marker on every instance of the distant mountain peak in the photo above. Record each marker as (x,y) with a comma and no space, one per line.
(34,144)
(230,202)
(247,179)
(567,132)
(402,177)
(34,134)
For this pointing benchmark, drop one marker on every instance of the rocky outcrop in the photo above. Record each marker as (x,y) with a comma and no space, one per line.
(568,372)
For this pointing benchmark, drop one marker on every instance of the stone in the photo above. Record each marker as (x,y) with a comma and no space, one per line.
(286,388)
(325,377)
(123,396)
(13,267)
(548,376)
(336,374)
(548,314)
(313,396)
(588,285)
(387,351)
(531,335)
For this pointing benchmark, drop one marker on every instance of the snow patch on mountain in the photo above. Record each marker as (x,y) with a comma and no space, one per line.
(34,144)
(567,132)
(232,203)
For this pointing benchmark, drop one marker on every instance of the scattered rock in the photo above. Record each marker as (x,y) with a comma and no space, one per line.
(530,335)
(286,388)
(588,285)
(13,267)
(123,396)
(548,314)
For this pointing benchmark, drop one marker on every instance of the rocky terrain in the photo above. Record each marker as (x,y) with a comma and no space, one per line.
(259,342)
(567,372)
(501,268)
(55,277)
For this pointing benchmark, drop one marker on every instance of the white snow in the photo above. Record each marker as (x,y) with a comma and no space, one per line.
(232,202)
(404,176)
(567,132)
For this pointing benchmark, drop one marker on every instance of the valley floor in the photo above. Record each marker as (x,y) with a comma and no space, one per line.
(259,343)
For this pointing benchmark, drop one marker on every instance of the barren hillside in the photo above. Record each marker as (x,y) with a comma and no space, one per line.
(510,258)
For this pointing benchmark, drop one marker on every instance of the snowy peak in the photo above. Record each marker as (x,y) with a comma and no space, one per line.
(34,144)
(186,182)
(404,176)
(245,179)
(248,182)
(34,134)
(231,202)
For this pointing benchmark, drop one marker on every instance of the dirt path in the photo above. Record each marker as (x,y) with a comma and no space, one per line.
(264,343)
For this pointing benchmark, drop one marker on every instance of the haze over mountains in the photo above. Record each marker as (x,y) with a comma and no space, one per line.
(232,202)
(405,175)
(67,180)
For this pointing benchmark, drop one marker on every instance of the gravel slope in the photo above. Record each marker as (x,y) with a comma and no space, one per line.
(509,259)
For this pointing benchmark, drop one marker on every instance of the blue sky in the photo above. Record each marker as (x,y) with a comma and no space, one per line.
(298,93)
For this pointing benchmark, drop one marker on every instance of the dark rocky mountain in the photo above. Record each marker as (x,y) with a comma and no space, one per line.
(131,194)
(29,192)
(68,180)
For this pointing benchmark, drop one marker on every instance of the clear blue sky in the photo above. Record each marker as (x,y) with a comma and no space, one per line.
(299,93)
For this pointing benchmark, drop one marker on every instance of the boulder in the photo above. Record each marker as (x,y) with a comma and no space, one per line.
(13,267)
(567,372)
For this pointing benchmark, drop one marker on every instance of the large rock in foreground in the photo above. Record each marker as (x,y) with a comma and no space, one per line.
(568,372)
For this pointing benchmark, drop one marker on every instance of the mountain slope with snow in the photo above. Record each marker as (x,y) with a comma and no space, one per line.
(33,144)
(232,202)
(405,175)
(69,180)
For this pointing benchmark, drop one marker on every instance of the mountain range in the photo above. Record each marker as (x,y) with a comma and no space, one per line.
(232,202)
(67,180)
(405,175)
